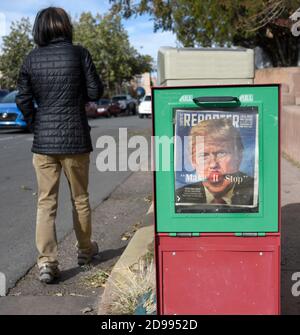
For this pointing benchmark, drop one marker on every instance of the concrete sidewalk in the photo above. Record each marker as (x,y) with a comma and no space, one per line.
(78,291)
(290,235)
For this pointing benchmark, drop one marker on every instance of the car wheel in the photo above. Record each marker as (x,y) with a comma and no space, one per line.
(28,130)
(133,110)
(108,114)
(129,110)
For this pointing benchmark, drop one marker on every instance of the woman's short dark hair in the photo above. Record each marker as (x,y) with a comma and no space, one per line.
(51,23)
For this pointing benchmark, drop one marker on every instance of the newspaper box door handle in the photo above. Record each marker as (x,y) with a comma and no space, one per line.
(217,100)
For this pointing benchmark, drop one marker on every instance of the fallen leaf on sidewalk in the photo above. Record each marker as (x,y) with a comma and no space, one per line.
(86,310)
(96,279)
(59,294)
(16,294)
(77,295)
(148,198)
(26,188)
(136,227)
(125,236)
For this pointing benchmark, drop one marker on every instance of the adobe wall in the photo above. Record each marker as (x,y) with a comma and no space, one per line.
(290,113)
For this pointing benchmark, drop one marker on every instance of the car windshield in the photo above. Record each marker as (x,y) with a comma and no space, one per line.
(9,98)
(3,93)
(104,102)
(147,98)
(119,97)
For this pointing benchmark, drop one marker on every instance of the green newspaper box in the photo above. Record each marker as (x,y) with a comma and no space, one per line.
(219,172)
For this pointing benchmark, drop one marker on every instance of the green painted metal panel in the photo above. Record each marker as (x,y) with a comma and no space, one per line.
(263,97)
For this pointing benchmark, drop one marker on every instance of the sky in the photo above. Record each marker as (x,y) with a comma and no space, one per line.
(140,29)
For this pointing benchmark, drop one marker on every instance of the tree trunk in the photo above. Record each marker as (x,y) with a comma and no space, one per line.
(282,51)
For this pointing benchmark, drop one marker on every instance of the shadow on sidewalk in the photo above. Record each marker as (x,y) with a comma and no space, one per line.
(290,257)
(109,254)
(102,257)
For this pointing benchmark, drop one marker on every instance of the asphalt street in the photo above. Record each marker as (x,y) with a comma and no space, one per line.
(18,192)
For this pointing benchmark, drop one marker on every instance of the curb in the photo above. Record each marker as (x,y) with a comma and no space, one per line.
(137,247)
(3,288)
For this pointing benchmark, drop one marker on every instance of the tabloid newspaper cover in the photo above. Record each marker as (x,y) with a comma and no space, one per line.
(216,160)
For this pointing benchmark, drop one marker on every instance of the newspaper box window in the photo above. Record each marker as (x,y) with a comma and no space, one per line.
(216,160)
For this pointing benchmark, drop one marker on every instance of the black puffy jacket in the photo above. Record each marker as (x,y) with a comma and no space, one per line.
(60,78)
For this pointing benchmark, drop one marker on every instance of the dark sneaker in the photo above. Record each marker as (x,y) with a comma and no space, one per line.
(84,258)
(48,273)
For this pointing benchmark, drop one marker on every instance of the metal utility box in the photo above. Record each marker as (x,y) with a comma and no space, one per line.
(217,203)
(204,66)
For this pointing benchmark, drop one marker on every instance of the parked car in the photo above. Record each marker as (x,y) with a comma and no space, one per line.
(145,107)
(108,108)
(104,107)
(91,109)
(10,115)
(126,102)
(3,93)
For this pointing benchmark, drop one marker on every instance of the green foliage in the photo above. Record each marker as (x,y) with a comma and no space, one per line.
(246,23)
(115,59)
(104,36)
(15,47)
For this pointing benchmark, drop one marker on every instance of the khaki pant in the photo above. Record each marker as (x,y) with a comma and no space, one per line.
(48,171)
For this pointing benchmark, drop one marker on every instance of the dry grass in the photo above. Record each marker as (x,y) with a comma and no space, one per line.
(136,282)
(96,279)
